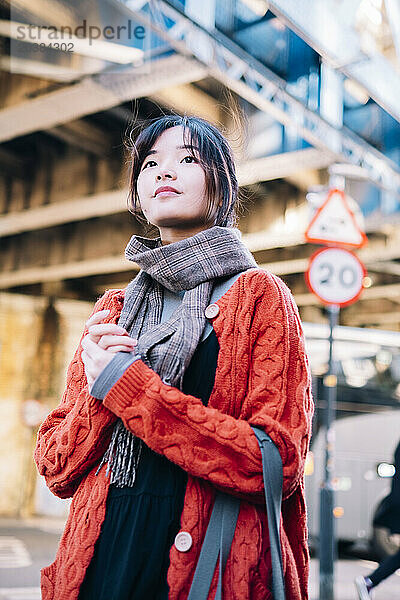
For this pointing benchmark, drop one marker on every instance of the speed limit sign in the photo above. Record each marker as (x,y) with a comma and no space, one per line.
(336,276)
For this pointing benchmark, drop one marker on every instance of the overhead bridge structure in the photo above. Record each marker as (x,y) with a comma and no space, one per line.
(318,83)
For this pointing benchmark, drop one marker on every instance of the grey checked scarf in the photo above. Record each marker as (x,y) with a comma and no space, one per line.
(192,265)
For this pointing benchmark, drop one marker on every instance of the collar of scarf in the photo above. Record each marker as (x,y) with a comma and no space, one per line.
(190,265)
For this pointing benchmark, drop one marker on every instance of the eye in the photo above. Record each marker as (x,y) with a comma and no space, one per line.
(192,158)
(146,164)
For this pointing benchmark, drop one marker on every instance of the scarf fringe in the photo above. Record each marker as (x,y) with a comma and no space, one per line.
(123,456)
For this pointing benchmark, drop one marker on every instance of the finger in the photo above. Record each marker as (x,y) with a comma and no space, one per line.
(97,317)
(116,340)
(92,348)
(107,328)
(84,344)
(88,367)
(87,361)
(115,349)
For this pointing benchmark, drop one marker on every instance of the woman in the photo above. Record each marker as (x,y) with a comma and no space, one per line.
(388,516)
(157,410)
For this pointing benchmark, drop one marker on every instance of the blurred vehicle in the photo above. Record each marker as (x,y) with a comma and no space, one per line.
(363,470)
(367,431)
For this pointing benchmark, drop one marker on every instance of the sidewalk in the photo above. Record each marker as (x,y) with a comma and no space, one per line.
(345,572)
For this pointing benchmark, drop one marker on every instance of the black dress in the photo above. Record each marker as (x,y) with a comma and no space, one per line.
(131,556)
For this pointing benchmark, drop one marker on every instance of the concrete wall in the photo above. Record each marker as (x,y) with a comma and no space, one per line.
(37,340)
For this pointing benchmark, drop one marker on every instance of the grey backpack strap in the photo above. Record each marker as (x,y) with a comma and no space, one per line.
(222,285)
(217,541)
(223,523)
(229,519)
(209,554)
(273,480)
(220,288)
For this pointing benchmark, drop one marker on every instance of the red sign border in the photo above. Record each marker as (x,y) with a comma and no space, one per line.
(309,285)
(311,240)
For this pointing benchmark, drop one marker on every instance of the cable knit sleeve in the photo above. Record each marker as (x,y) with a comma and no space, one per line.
(75,434)
(215,446)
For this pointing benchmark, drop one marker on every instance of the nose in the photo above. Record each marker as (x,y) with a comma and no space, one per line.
(166,174)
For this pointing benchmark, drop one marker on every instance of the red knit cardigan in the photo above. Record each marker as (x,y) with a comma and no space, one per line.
(262,378)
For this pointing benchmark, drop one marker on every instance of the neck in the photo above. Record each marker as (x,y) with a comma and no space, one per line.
(170,235)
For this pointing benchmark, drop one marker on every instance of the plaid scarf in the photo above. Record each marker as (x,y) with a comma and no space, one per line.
(192,265)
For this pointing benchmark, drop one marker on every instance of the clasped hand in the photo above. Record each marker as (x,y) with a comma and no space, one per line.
(101,344)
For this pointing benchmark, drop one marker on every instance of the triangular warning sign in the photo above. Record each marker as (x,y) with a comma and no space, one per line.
(334,222)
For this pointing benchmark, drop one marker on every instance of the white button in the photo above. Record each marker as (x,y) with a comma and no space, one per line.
(183,541)
(211,311)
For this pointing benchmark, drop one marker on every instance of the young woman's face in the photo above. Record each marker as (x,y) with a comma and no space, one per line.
(177,212)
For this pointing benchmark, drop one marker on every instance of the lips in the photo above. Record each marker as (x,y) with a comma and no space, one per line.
(166,188)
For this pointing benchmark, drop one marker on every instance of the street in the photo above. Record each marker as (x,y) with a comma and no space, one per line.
(346,570)
(26,546)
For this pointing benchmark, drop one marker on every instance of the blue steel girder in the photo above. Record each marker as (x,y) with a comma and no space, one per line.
(321,25)
(241,73)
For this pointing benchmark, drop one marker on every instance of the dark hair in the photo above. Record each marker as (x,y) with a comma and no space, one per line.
(215,156)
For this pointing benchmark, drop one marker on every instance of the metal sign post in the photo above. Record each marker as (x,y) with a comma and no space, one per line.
(327,536)
(336,276)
